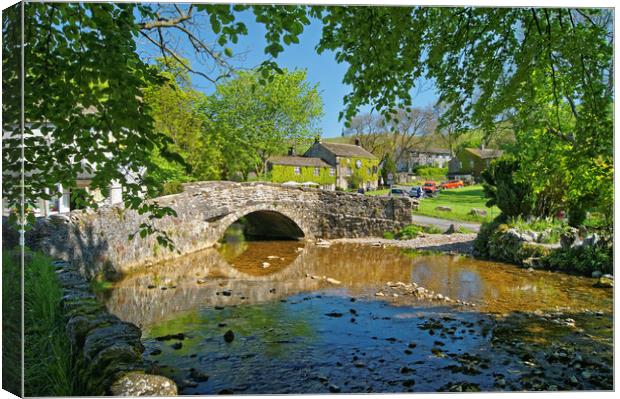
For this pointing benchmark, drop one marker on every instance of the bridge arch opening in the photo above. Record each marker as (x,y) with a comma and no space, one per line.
(263,225)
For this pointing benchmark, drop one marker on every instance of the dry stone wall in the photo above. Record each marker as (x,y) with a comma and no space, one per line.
(97,243)
(107,351)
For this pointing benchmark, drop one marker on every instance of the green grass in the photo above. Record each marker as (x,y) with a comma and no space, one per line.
(47,352)
(460,201)
(411,231)
(11,322)
(378,192)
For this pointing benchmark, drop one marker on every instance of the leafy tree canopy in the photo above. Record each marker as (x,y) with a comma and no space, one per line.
(251,121)
(546,71)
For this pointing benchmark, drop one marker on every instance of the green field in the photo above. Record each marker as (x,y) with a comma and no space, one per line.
(460,200)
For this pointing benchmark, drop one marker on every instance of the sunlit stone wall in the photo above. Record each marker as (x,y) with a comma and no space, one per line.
(97,241)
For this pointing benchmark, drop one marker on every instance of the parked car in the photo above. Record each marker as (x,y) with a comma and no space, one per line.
(416,192)
(452,184)
(430,189)
(397,192)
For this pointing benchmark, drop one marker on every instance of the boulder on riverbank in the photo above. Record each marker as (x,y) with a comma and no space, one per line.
(605,281)
(140,384)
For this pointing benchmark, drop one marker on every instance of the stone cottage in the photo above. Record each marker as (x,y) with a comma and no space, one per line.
(472,161)
(437,157)
(330,165)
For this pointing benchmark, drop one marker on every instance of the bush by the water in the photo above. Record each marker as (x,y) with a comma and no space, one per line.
(413,230)
(583,259)
(497,240)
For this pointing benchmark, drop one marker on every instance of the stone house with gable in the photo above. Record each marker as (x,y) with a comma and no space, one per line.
(333,166)
(472,161)
(437,157)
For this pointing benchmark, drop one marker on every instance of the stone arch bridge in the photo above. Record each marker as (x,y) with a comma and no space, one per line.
(97,241)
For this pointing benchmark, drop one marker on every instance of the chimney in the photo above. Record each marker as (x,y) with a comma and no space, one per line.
(358,142)
(291,151)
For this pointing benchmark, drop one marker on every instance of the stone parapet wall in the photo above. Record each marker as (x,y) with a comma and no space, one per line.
(107,351)
(97,242)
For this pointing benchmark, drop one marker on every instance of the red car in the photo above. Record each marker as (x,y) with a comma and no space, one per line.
(430,188)
(453,184)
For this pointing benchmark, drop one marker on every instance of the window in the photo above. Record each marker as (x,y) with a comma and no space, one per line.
(358,164)
(367,171)
(332,171)
(317,171)
(471,163)
(349,171)
(375,169)
(297,170)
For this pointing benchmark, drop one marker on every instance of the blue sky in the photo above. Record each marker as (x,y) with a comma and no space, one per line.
(321,69)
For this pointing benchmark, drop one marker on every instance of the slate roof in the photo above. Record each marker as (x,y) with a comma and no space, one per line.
(487,153)
(347,150)
(291,160)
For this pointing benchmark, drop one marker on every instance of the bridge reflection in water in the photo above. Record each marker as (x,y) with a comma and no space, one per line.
(235,277)
(160,292)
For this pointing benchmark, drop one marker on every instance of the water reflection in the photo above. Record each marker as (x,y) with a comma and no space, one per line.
(498,287)
(238,276)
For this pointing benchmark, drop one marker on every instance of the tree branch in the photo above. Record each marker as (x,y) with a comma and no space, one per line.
(177,58)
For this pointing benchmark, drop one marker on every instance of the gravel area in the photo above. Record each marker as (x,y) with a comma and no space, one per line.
(451,243)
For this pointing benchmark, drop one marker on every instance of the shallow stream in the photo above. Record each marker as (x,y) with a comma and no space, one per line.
(263,317)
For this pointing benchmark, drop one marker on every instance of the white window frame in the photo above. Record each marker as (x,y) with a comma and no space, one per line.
(297,170)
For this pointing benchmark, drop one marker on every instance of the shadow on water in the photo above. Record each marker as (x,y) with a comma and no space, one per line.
(296,334)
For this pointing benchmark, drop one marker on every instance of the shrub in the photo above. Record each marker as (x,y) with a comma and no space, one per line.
(388,235)
(172,187)
(481,243)
(433,230)
(413,230)
(583,260)
(430,172)
(409,232)
(512,197)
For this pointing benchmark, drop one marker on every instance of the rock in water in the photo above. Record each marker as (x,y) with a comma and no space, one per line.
(229,336)
(333,281)
(198,375)
(334,388)
(605,281)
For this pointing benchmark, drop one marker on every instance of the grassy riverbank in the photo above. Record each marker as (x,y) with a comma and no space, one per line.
(48,365)
(459,200)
